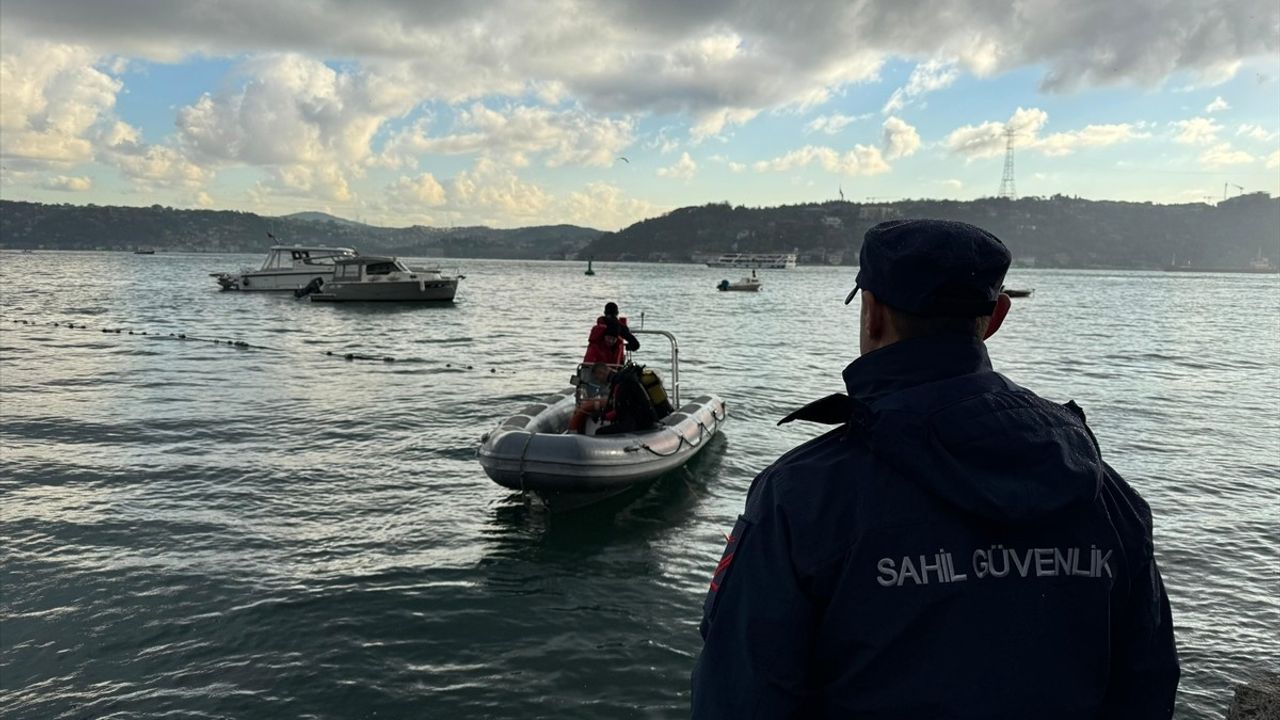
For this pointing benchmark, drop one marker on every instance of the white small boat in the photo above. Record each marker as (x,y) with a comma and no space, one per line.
(746,284)
(287,267)
(375,278)
(532,451)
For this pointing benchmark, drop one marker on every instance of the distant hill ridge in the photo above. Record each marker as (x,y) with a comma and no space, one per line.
(313,216)
(1046,232)
(93,227)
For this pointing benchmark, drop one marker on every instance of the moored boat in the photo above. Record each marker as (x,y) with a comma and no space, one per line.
(533,451)
(376,278)
(287,267)
(746,284)
(1017,292)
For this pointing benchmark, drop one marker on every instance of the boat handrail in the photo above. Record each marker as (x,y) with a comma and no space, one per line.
(580,375)
(675,358)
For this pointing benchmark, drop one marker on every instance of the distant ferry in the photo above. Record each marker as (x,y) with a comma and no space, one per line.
(1258,264)
(755,261)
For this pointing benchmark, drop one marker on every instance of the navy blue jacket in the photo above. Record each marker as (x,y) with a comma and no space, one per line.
(957,548)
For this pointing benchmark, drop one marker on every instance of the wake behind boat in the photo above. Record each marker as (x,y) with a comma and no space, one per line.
(533,451)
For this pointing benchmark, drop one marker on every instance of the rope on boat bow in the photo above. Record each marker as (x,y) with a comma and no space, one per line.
(684,440)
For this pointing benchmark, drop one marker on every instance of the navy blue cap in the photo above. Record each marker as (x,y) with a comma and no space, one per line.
(932,267)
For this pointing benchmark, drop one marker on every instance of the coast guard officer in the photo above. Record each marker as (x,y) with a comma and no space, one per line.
(955,548)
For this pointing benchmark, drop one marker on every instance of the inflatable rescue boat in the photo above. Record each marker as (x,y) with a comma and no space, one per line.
(533,450)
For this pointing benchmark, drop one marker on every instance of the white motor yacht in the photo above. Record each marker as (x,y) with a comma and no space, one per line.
(287,267)
(374,278)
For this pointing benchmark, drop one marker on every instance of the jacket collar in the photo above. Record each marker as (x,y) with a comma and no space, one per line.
(890,369)
(917,361)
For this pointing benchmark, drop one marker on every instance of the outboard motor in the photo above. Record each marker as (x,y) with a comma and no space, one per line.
(724,285)
(313,286)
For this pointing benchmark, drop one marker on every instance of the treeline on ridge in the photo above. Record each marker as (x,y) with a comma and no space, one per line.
(1058,231)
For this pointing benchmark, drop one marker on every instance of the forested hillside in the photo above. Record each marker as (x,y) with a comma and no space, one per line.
(1048,232)
(92,227)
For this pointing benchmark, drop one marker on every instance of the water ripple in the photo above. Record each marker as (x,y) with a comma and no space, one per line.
(204,531)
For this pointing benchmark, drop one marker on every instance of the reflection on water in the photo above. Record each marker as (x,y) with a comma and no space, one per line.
(212,531)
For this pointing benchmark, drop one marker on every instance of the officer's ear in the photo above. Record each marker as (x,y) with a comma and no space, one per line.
(874,320)
(1003,303)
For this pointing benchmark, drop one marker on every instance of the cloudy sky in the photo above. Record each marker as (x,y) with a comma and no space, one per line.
(517,113)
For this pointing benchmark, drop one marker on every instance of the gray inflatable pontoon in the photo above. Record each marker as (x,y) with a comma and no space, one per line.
(530,451)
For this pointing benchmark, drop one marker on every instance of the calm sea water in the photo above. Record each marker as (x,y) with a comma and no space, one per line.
(197,530)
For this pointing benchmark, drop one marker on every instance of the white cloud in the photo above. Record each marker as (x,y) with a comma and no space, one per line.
(1196,131)
(569,137)
(291,110)
(552,92)
(1256,132)
(1273,160)
(68,184)
(715,62)
(925,78)
(1065,143)
(325,181)
(683,169)
(497,195)
(412,199)
(1217,105)
(989,140)
(1223,155)
(737,167)
(833,123)
(307,125)
(416,191)
(603,205)
(712,123)
(953,184)
(662,141)
(900,139)
(492,194)
(53,96)
(861,160)
(149,166)
(317,84)
(1215,73)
